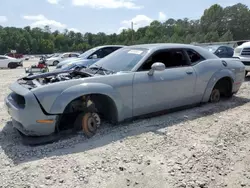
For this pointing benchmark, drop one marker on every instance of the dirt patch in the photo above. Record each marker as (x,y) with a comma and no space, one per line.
(207,146)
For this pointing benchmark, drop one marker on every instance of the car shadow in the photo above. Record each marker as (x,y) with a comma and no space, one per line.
(10,140)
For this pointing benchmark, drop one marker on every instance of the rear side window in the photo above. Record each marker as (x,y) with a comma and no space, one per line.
(74,55)
(66,55)
(3,57)
(116,48)
(194,56)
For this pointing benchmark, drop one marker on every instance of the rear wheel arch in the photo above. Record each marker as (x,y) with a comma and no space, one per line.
(225,82)
(223,87)
(218,76)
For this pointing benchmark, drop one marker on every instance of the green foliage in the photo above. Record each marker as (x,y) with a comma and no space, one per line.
(216,24)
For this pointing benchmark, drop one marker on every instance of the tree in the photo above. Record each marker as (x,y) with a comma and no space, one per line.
(24,46)
(216,24)
(228,36)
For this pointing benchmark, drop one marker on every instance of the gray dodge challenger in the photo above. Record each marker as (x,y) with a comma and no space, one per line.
(131,82)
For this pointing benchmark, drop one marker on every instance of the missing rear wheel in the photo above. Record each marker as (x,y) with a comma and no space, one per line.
(215,96)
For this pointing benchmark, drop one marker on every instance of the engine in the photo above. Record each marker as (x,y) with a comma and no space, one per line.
(60,78)
(52,77)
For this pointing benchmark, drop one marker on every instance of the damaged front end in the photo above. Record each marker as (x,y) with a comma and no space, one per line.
(34,81)
(29,102)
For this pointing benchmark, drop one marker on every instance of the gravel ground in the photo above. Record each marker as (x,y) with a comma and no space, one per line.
(207,146)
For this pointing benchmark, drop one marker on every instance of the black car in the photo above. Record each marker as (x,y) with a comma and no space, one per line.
(221,51)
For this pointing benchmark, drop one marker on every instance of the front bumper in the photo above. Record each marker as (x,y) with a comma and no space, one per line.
(20,63)
(245,61)
(24,118)
(247,65)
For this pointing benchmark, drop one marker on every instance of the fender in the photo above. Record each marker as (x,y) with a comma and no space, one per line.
(214,79)
(84,89)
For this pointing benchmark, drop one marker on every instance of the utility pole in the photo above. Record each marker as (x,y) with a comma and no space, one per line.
(132,32)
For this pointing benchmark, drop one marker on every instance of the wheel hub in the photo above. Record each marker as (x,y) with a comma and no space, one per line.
(93,122)
(215,97)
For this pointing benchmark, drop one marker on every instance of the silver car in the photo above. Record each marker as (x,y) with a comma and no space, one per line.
(132,81)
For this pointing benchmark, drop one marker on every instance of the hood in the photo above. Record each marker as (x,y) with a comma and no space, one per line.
(11,57)
(244,45)
(86,62)
(44,75)
(68,60)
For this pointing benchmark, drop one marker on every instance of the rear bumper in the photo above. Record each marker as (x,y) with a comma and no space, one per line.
(236,87)
(247,65)
(24,118)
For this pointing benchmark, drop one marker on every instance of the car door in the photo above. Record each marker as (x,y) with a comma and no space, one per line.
(170,88)
(4,62)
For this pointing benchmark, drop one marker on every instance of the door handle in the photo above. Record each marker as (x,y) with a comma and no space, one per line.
(189,72)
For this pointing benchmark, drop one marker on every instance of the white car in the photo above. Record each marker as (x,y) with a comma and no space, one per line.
(54,60)
(243,53)
(10,62)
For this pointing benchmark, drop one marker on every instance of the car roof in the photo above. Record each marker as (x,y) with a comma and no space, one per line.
(110,46)
(70,53)
(217,46)
(156,46)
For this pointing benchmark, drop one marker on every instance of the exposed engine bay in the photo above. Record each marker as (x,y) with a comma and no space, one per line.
(60,77)
(36,80)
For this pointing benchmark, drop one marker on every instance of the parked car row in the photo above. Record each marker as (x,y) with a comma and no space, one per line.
(221,51)
(10,62)
(242,52)
(129,82)
(89,57)
(57,58)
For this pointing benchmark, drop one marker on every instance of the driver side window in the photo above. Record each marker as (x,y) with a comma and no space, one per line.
(170,58)
(65,55)
(98,53)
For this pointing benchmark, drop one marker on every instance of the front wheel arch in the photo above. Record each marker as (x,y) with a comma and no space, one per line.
(12,65)
(101,104)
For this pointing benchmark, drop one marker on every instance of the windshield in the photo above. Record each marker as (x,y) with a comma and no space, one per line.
(88,52)
(123,59)
(211,48)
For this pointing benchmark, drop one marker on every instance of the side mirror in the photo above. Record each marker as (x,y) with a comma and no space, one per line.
(158,66)
(94,56)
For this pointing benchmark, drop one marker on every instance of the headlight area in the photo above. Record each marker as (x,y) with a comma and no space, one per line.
(17,99)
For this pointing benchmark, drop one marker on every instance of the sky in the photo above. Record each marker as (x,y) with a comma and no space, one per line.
(109,16)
